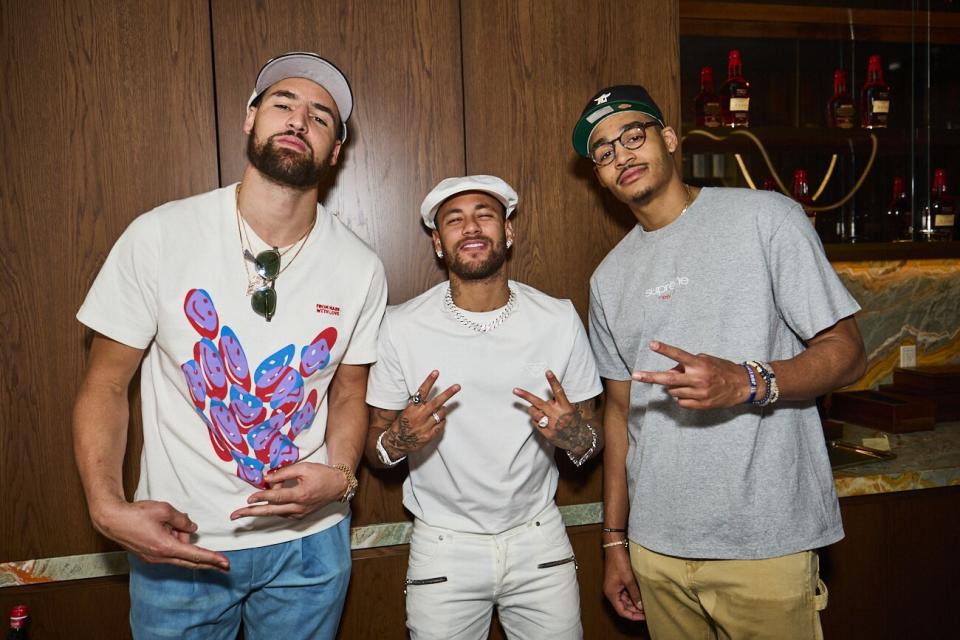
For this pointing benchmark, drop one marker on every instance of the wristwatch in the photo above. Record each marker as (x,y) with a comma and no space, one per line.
(384,456)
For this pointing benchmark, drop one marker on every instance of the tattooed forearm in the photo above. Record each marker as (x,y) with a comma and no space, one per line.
(572,431)
(381,419)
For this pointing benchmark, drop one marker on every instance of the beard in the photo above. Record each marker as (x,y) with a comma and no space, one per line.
(285,166)
(473,270)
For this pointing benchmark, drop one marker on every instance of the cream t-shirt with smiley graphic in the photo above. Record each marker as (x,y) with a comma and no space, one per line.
(226,396)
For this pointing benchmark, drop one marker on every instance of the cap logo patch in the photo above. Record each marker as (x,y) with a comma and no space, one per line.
(599,113)
(602,98)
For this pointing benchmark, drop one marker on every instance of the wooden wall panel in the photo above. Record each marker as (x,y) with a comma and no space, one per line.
(529,67)
(107,111)
(402,58)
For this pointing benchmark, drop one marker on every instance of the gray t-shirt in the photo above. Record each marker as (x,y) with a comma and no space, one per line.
(741,275)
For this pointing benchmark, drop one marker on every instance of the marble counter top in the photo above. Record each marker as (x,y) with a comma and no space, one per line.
(925,459)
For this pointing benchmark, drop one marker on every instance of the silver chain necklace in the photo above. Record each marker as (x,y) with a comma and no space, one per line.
(485,327)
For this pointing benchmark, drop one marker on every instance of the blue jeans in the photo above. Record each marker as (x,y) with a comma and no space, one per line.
(284,591)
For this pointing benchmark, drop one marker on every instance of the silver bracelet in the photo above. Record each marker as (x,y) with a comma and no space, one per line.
(578,462)
(384,456)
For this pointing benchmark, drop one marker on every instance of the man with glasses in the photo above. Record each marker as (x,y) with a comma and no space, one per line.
(477,381)
(716,322)
(252,314)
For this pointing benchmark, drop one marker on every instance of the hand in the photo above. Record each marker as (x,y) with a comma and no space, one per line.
(315,485)
(418,424)
(620,585)
(156,532)
(565,427)
(700,381)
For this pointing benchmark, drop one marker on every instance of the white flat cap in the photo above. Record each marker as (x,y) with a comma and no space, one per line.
(450,187)
(301,64)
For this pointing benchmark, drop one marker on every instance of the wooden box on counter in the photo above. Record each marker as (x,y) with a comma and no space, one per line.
(891,413)
(939,384)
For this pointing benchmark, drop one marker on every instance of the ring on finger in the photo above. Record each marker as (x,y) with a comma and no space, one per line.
(436,417)
(543,422)
(415,398)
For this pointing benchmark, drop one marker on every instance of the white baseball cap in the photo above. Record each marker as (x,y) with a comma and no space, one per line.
(450,187)
(301,64)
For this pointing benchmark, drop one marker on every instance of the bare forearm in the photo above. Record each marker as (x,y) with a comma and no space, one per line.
(100,418)
(833,358)
(347,417)
(615,499)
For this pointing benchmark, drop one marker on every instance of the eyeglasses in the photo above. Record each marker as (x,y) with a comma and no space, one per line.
(631,138)
(267,265)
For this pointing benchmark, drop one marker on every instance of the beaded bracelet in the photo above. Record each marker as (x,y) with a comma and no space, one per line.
(772,392)
(753,383)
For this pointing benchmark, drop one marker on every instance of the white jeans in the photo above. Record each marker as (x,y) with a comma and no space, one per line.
(454,580)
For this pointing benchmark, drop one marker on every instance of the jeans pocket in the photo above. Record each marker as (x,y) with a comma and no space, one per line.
(426,547)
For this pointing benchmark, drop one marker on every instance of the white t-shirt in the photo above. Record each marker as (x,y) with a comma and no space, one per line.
(490,470)
(226,395)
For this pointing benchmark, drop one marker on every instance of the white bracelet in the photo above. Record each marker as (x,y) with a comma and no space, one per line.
(578,462)
(384,456)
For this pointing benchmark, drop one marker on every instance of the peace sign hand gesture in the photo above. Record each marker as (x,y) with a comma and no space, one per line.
(421,422)
(560,422)
(699,381)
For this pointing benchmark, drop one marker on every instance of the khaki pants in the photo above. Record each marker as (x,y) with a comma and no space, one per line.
(776,598)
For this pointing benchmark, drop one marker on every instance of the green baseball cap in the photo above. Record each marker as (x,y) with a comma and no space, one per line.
(607,102)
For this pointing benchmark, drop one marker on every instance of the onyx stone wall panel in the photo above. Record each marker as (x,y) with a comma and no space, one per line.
(107,111)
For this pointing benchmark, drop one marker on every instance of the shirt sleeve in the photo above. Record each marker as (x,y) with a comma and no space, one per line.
(581,379)
(809,295)
(122,302)
(386,386)
(363,343)
(609,362)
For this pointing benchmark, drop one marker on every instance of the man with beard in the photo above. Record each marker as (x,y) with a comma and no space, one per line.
(715,463)
(482,478)
(254,313)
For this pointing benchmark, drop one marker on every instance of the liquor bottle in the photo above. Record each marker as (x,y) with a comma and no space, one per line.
(19,623)
(801,193)
(735,94)
(874,97)
(840,111)
(938,220)
(898,223)
(707,103)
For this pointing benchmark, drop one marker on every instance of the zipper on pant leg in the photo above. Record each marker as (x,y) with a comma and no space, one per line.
(557,563)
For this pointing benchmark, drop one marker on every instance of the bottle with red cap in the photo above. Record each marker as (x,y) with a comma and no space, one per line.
(874,97)
(735,93)
(706,105)
(19,623)
(801,193)
(898,223)
(938,221)
(840,112)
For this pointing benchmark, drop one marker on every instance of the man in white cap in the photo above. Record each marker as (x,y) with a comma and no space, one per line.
(487,532)
(252,313)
